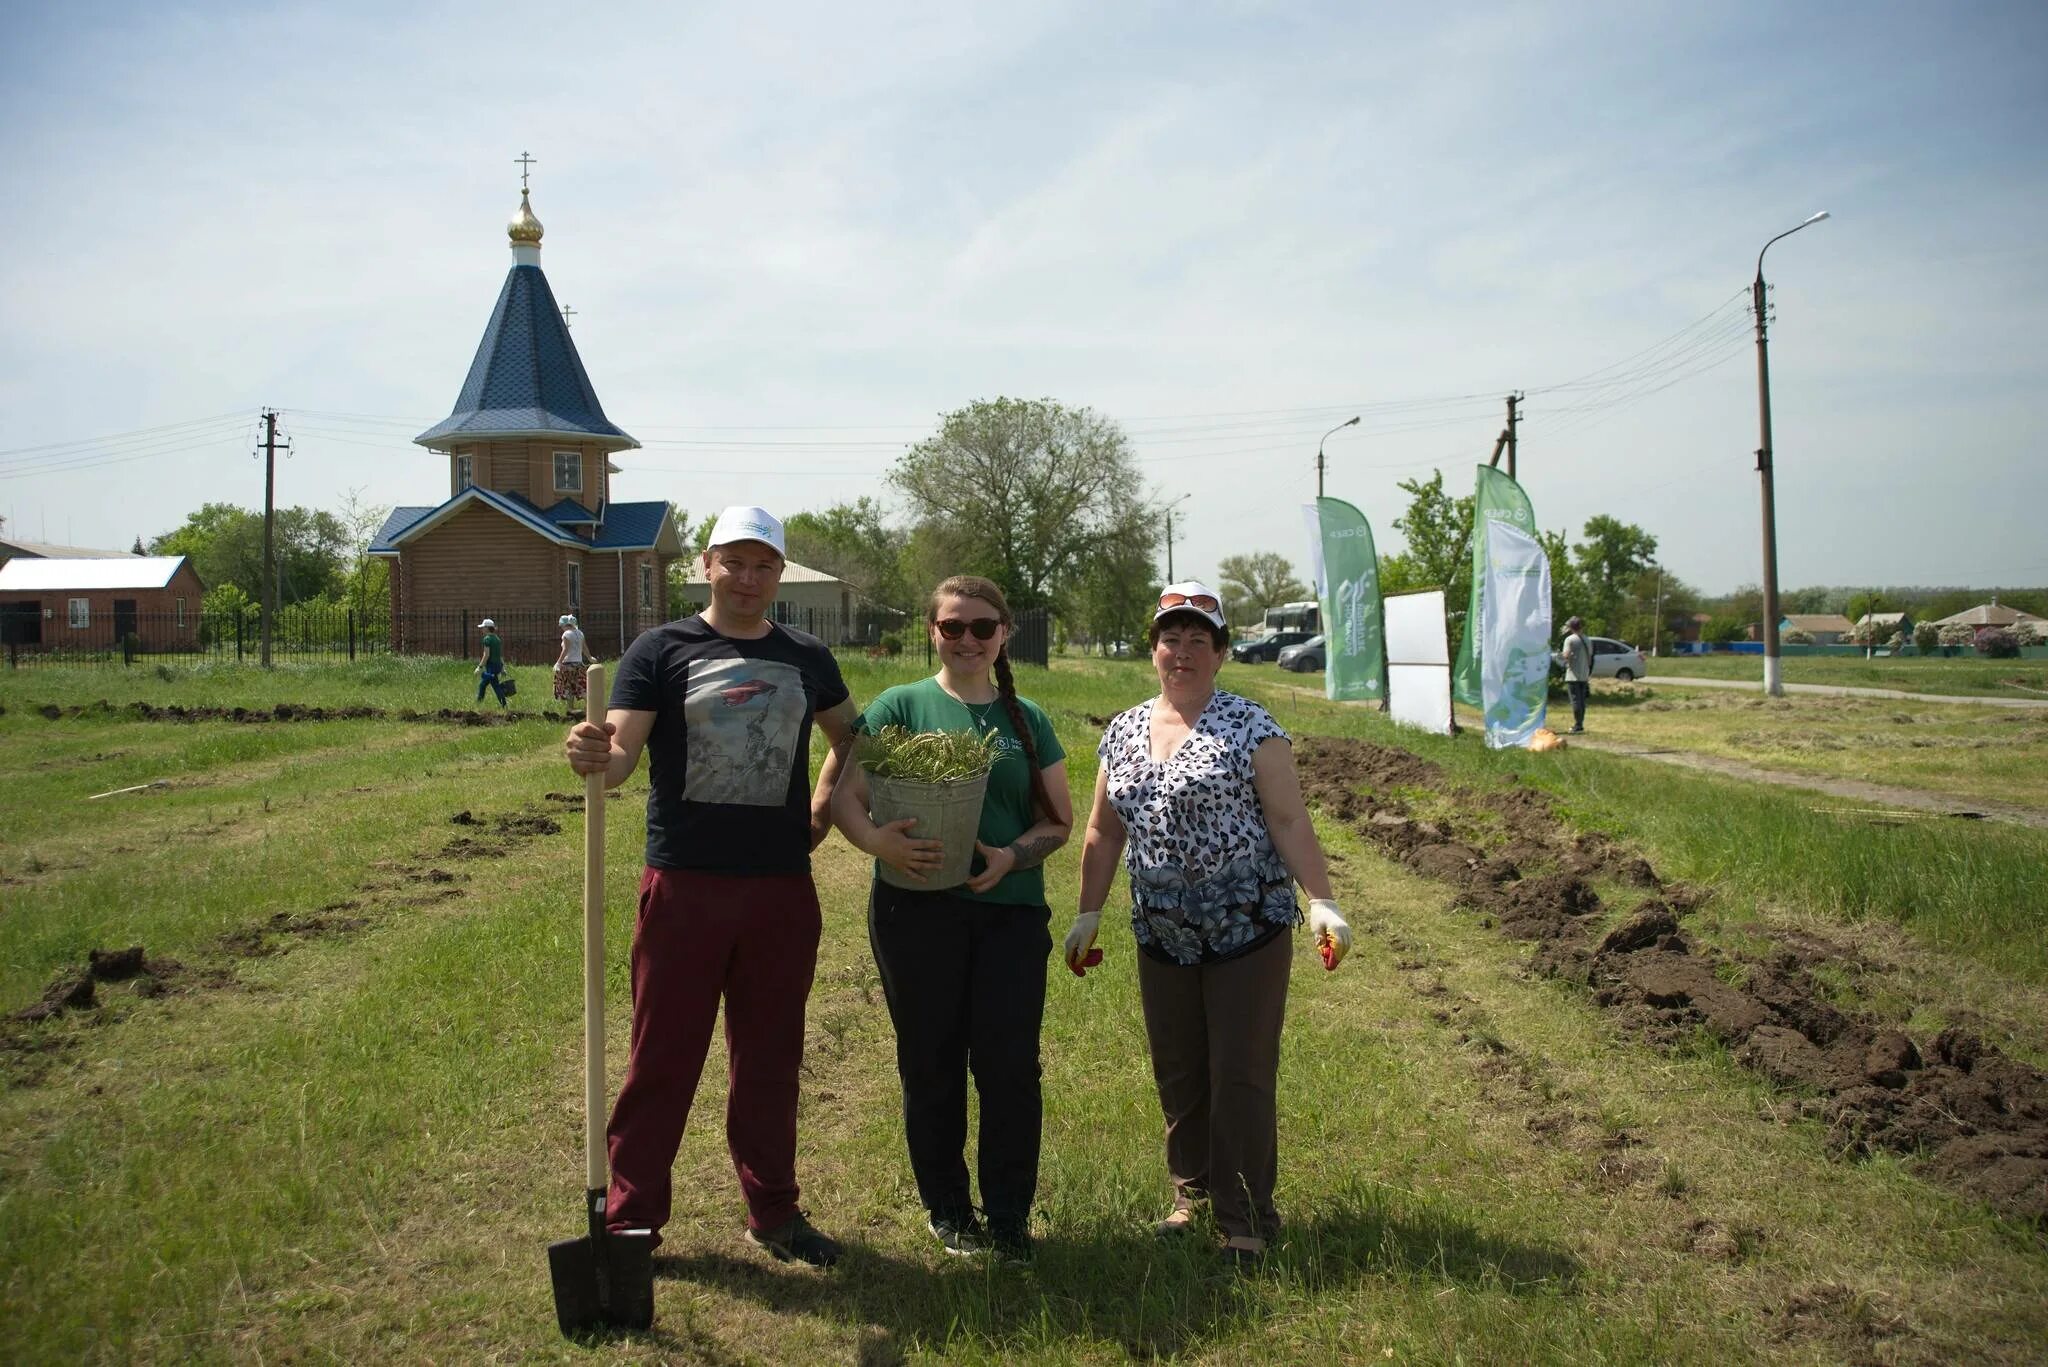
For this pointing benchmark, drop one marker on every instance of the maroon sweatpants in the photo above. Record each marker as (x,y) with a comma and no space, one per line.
(700,936)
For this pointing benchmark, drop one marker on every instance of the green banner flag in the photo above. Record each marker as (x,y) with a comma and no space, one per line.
(1496,499)
(1348,582)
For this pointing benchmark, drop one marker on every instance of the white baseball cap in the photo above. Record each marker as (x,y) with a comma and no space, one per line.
(1192,595)
(745,522)
(487,622)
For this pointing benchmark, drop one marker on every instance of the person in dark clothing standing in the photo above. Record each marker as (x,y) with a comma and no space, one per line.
(963,968)
(723,703)
(1578,669)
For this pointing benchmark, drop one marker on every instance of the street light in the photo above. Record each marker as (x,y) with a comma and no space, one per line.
(1169,534)
(1319,451)
(1774,683)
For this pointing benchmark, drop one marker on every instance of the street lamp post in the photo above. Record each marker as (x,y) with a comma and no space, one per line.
(1319,451)
(1169,533)
(1774,682)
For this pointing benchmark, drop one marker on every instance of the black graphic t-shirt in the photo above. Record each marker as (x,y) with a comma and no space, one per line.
(729,757)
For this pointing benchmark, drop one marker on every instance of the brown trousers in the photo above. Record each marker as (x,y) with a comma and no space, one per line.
(1215,1036)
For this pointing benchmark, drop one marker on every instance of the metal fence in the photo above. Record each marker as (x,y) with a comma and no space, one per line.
(330,633)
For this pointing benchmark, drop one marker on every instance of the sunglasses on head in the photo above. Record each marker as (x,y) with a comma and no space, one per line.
(1201,602)
(952,628)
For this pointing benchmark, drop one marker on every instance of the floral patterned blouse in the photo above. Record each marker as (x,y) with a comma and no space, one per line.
(1206,882)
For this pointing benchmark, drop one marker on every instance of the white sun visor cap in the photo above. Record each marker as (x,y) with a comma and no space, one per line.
(745,522)
(1191,595)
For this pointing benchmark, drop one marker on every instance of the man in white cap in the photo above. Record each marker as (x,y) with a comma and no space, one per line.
(723,703)
(490,667)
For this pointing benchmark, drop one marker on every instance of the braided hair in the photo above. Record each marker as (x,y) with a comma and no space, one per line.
(974,586)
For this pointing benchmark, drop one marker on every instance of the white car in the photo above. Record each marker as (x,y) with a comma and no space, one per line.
(1615,659)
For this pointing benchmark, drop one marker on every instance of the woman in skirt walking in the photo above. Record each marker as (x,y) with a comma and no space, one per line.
(571,664)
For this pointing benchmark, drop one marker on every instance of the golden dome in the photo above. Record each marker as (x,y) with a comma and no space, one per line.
(524,227)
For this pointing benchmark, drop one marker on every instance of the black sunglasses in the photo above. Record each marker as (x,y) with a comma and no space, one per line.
(952,628)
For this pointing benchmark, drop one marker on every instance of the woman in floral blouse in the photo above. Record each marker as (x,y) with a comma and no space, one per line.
(1197,790)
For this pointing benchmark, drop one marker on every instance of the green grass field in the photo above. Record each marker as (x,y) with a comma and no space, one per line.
(1960,674)
(348,1129)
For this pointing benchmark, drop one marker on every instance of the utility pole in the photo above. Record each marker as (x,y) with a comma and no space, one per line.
(1513,418)
(1319,451)
(1657,621)
(269,526)
(1169,534)
(1759,299)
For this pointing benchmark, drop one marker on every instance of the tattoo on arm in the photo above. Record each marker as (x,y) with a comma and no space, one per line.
(1034,850)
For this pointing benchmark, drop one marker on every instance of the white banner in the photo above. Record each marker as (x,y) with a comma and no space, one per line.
(1514,661)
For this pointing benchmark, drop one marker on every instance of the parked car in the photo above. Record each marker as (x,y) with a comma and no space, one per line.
(1305,658)
(1611,660)
(1267,647)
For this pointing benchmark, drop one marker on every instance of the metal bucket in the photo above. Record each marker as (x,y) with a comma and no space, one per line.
(946,812)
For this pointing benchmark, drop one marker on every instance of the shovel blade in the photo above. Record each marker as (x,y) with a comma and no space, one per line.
(603,1283)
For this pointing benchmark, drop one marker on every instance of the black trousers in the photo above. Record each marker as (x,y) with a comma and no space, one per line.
(1578,696)
(965,981)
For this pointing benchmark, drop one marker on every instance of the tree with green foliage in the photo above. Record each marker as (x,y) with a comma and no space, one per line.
(1114,594)
(853,541)
(225,545)
(1611,556)
(1041,486)
(1250,584)
(1438,531)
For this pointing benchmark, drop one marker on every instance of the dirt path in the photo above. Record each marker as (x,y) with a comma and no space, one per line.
(1912,799)
(1844,691)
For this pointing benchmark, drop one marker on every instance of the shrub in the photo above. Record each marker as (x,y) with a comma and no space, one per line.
(1957,634)
(892,643)
(2026,633)
(1926,635)
(1997,643)
(1895,640)
(1797,638)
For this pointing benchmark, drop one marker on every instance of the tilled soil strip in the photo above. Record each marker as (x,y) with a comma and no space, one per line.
(288,712)
(1978,1117)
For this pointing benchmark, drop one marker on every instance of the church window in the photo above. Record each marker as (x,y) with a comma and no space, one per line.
(181,612)
(647,587)
(575,587)
(465,472)
(568,472)
(81,613)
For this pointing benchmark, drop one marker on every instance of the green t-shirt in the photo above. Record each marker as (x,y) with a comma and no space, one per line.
(494,657)
(1006,811)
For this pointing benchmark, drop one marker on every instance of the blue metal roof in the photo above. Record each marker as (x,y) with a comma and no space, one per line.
(569,512)
(626,527)
(527,377)
(385,542)
(630,526)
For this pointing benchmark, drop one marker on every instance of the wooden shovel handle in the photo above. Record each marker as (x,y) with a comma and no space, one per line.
(594,1166)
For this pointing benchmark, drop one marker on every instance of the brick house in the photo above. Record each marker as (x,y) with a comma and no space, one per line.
(96,603)
(528,529)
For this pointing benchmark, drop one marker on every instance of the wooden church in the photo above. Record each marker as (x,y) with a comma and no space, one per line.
(528,529)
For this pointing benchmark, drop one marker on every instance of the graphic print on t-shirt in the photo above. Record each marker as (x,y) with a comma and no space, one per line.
(742,718)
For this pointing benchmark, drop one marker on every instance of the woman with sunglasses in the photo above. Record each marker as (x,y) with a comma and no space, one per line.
(963,968)
(1197,789)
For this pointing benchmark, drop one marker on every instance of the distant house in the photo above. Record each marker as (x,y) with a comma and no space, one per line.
(1991,614)
(1826,628)
(1887,623)
(811,600)
(13,547)
(96,603)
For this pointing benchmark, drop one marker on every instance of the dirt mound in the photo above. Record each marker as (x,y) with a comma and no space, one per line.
(1979,1117)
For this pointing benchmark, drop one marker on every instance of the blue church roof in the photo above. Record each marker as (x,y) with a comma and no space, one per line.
(527,379)
(626,526)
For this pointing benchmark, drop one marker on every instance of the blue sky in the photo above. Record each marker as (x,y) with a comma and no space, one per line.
(794,234)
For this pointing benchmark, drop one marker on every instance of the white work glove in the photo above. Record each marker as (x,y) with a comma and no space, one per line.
(1081,938)
(1331,931)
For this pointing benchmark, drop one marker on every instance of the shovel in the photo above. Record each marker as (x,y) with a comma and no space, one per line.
(604,1280)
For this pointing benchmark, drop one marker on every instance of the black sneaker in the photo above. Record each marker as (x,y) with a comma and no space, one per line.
(1011,1240)
(960,1236)
(797,1240)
